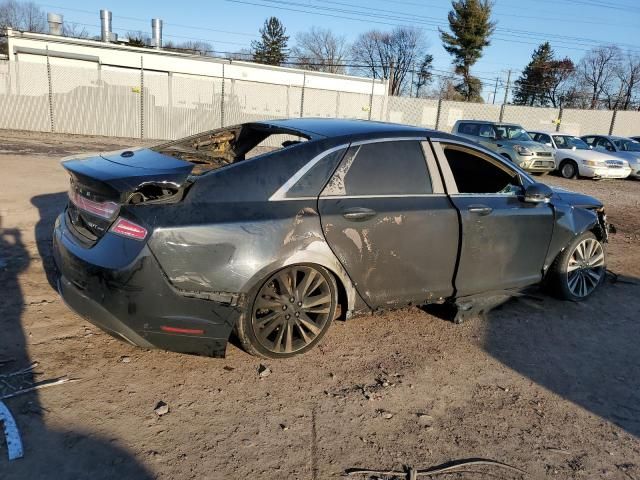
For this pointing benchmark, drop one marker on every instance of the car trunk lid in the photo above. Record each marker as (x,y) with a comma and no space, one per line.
(101,184)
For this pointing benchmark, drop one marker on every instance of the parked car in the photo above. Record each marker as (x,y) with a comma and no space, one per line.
(621,147)
(575,158)
(177,245)
(637,139)
(509,140)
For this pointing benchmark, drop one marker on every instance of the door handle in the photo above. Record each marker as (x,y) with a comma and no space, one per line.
(480,209)
(358,214)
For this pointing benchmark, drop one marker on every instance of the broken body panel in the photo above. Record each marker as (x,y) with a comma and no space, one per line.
(219,221)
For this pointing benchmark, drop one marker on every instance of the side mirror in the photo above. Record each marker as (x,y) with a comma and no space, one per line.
(548,144)
(537,193)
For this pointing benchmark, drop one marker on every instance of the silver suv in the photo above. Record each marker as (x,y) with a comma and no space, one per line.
(511,141)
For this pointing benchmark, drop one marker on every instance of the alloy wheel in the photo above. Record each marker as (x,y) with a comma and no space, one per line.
(585,268)
(292,309)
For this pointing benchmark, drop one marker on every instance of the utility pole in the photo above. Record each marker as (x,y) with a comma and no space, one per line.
(495,91)
(506,90)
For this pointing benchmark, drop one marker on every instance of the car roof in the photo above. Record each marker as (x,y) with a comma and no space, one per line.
(336,127)
(489,122)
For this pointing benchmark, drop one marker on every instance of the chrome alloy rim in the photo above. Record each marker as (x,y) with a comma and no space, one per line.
(586,267)
(292,309)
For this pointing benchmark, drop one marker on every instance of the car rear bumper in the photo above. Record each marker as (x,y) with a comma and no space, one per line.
(135,302)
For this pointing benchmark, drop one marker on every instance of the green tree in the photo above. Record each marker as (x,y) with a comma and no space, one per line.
(471,28)
(272,47)
(533,84)
(425,74)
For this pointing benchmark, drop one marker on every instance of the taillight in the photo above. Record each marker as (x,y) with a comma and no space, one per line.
(129,229)
(100,209)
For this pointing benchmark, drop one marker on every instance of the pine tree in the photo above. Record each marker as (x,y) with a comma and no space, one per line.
(532,86)
(471,27)
(272,48)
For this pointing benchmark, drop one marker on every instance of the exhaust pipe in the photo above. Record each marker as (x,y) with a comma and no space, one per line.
(55,23)
(156,32)
(105,26)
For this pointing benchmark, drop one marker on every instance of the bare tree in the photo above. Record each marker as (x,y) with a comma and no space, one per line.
(321,50)
(424,75)
(193,47)
(138,39)
(597,70)
(24,16)
(244,54)
(629,78)
(74,30)
(390,55)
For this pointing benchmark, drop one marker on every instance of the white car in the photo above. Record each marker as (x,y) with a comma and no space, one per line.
(574,158)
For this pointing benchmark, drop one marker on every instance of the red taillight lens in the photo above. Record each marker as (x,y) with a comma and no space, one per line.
(129,229)
(101,209)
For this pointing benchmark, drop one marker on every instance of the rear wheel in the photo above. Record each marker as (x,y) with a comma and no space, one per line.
(290,313)
(579,269)
(569,169)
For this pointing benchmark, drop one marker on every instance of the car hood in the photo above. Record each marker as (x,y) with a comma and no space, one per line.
(576,199)
(531,145)
(588,154)
(631,157)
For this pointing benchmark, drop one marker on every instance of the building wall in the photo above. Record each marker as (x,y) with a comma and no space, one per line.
(91,53)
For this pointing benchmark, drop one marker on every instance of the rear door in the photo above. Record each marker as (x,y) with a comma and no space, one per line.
(386,217)
(504,240)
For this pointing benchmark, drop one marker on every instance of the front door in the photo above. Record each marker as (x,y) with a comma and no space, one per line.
(390,224)
(504,240)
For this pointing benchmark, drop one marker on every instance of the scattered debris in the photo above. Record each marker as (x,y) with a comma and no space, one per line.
(228,368)
(125,359)
(284,427)
(458,465)
(424,418)
(161,408)
(384,414)
(264,371)
(11,433)
(38,386)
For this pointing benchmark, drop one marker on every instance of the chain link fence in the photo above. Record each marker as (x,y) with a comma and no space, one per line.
(112,101)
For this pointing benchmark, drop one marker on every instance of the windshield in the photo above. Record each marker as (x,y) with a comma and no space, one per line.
(512,132)
(627,145)
(567,142)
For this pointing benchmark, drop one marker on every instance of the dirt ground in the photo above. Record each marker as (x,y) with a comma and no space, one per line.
(550,387)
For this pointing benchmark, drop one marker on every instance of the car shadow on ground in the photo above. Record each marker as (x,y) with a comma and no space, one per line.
(585,352)
(49,207)
(48,453)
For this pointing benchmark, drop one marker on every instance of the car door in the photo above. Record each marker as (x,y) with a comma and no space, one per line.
(504,241)
(387,218)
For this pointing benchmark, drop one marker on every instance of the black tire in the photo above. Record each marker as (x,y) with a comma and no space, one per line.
(559,277)
(302,327)
(568,169)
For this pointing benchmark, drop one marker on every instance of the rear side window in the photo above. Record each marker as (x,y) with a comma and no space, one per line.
(384,168)
(469,129)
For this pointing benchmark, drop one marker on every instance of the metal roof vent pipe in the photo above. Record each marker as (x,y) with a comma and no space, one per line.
(156,32)
(105,26)
(55,23)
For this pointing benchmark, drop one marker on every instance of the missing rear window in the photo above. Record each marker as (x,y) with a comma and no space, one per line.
(218,148)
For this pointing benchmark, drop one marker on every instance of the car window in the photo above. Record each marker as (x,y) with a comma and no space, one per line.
(568,142)
(512,132)
(542,138)
(382,168)
(487,131)
(589,140)
(605,144)
(468,129)
(475,172)
(312,182)
(627,145)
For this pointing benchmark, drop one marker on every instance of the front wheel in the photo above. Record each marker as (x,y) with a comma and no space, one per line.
(291,312)
(569,169)
(579,269)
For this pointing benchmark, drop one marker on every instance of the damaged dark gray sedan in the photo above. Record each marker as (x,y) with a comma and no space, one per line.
(273,229)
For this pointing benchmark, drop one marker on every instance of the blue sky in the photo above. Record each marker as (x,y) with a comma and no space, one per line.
(572,26)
